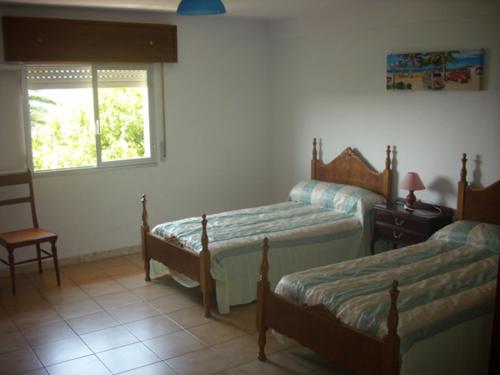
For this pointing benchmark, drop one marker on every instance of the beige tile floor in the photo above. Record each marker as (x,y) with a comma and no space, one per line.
(105,319)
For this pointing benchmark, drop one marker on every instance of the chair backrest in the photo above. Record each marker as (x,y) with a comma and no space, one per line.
(20,178)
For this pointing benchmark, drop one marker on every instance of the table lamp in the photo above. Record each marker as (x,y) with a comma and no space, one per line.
(411,182)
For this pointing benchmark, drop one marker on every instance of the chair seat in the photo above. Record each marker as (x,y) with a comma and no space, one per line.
(25,237)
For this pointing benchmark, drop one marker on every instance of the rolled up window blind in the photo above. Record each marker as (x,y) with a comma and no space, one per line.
(79,76)
(60,76)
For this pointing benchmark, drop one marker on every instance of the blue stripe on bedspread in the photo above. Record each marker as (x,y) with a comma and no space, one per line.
(259,221)
(430,273)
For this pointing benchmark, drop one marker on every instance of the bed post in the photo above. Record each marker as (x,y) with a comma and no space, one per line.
(390,361)
(262,292)
(205,278)
(144,232)
(388,175)
(462,186)
(314,161)
(388,157)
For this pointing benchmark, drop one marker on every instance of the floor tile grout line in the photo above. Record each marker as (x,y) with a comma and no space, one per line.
(59,288)
(102,362)
(122,325)
(132,333)
(67,360)
(170,367)
(79,336)
(125,325)
(139,367)
(76,335)
(207,345)
(107,308)
(113,348)
(130,369)
(16,349)
(183,354)
(137,320)
(31,347)
(97,330)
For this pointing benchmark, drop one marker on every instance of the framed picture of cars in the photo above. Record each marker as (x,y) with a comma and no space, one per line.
(442,70)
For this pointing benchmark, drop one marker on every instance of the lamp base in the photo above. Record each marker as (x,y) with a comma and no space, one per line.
(410,201)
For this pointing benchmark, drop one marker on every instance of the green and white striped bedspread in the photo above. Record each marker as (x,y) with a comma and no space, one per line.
(242,231)
(443,282)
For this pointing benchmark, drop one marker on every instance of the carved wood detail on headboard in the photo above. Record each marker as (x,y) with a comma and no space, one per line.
(351,169)
(478,204)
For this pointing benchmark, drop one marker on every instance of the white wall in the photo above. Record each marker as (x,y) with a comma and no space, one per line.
(329,82)
(11,110)
(242,111)
(218,142)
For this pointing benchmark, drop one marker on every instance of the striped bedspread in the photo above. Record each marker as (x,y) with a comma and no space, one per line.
(316,212)
(443,282)
(245,229)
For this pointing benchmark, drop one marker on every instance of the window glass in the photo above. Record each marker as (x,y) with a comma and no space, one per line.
(83,117)
(62,118)
(123,114)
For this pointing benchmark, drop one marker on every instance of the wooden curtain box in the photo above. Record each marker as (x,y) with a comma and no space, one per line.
(60,40)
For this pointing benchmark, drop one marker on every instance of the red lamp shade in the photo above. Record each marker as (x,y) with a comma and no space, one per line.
(411,182)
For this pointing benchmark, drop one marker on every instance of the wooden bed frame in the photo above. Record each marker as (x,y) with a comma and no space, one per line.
(347,168)
(317,328)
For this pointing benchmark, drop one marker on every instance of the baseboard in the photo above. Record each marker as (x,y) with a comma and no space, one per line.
(85,258)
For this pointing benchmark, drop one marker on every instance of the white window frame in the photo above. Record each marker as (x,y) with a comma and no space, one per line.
(100,165)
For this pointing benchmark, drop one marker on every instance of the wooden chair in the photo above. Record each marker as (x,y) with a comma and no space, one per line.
(26,237)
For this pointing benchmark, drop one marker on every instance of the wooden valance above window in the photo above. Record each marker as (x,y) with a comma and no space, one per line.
(58,40)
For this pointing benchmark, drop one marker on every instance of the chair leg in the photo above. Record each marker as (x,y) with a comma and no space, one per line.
(56,262)
(12,273)
(39,256)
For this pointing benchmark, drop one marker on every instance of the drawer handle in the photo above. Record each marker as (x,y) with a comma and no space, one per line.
(399,222)
(397,235)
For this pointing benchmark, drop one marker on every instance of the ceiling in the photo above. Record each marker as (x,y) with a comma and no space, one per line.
(265,9)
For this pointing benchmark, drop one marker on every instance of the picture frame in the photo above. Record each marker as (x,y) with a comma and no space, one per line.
(454,70)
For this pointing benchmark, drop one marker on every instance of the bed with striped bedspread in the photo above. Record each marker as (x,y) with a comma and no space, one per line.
(447,280)
(321,223)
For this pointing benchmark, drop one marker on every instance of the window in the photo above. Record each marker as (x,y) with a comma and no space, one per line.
(89,116)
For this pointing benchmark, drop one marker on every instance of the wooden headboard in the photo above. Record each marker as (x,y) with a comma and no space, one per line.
(479,204)
(349,168)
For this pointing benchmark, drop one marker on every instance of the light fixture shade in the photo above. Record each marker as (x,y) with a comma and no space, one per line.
(200,7)
(412,182)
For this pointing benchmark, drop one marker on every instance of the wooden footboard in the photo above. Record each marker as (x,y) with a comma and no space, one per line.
(172,254)
(317,328)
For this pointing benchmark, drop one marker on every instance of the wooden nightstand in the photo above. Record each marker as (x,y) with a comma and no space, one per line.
(398,226)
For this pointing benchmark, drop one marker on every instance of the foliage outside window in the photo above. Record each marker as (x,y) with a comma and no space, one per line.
(88,116)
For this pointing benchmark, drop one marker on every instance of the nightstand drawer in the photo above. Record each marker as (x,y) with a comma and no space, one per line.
(396,234)
(398,226)
(404,223)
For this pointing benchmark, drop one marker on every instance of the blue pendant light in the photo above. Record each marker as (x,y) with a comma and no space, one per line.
(200,7)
